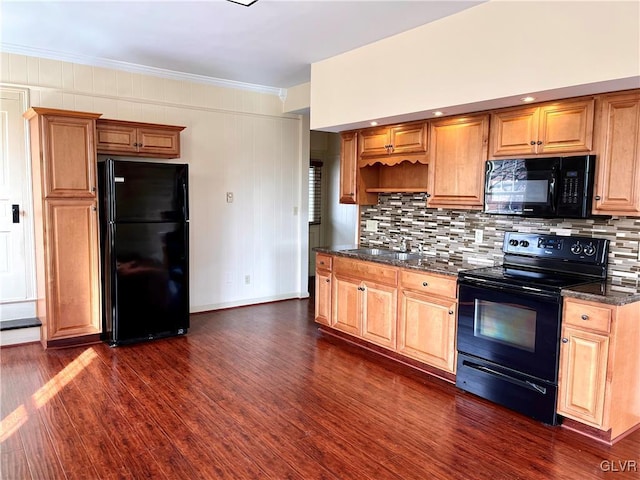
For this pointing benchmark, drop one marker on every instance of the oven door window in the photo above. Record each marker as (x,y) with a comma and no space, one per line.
(512,325)
(516,330)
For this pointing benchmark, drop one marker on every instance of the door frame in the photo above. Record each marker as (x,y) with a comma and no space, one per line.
(24,308)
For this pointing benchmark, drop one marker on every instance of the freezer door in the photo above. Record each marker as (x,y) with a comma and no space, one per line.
(150,192)
(152,277)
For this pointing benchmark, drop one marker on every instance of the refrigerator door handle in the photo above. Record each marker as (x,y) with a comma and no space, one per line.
(185,201)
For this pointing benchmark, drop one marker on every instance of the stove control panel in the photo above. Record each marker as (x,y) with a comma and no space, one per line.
(578,249)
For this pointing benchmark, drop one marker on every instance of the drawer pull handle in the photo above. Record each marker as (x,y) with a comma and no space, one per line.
(425,284)
(585,317)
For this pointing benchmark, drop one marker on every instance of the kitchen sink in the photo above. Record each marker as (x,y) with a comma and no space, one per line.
(385,253)
(405,255)
(371,251)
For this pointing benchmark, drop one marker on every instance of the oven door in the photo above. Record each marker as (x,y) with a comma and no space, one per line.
(518,329)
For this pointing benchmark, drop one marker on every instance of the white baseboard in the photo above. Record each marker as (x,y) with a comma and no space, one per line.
(19,336)
(247,301)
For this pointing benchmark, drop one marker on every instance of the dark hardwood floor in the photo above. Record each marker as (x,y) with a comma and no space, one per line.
(257,392)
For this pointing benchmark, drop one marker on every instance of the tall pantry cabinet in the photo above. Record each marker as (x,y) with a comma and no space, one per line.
(63,155)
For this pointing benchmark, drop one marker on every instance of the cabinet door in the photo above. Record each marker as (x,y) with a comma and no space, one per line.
(348,167)
(379,311)
(323,297)
(457,162)
(158,141)
(69,156)
(427,329)
(514,132)
(347,312)
(116,138)
(73,286)
(373,142)
(583,374)
(566,128)
(617,189)
(409,138)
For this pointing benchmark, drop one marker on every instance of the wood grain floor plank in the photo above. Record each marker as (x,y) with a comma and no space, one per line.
(258,392)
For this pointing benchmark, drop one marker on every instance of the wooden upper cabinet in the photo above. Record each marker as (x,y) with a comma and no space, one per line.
(617,190)
(65,143)
(348,167)
(558,128)
(457,162)
(394,144)
(117,137)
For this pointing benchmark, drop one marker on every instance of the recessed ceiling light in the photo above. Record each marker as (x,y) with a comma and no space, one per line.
(246,3)
(528,99)
(373,124)
(438,113)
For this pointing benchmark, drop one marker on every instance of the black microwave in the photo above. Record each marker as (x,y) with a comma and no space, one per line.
(540,187)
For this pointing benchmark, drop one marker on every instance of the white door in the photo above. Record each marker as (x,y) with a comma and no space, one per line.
(17,283)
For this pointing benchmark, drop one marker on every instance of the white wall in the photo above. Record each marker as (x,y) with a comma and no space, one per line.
(499,49)
(235,140)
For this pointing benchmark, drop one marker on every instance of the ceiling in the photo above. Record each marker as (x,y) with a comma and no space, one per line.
(271,43)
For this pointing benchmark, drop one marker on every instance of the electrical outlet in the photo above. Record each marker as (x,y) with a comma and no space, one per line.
(247,279)
(229,197)
(479,235)
(295,211)
(371,226)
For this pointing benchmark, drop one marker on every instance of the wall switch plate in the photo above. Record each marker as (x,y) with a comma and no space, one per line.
(247,279)
(295,211)
(229,197)
(479,236)
(371,226)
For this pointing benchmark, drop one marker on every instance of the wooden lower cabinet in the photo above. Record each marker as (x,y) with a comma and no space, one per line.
(346,305)
(427,329)
(323,289)
(323,297)
(408,312)
(379,311)
(599,377)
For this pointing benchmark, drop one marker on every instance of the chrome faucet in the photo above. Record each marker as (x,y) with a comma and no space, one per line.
(405,245)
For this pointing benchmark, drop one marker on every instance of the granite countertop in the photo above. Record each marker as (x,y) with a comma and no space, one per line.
(605,292)
(602,292)
(424,262)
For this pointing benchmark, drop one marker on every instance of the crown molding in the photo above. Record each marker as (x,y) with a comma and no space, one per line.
(141,69)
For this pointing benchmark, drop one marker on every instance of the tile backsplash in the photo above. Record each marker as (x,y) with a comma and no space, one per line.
(451,234)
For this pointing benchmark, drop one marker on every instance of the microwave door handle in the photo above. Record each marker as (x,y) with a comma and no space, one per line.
(552,190)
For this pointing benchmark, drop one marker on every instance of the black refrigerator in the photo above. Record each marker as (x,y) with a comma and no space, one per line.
(144,220)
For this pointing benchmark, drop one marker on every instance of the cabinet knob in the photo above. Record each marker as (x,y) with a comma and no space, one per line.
(565,340)
(425,284)
(539,142)
(94,208)
(321,263)
(361,289)
(450,312)
(598,197)
(584,317)
(428,195)
(93,189)
(327,280)
(533,142)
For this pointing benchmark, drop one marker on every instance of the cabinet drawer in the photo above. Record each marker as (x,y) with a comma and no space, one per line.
(366,270)
(323,262)
(428,283)
(587,315)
